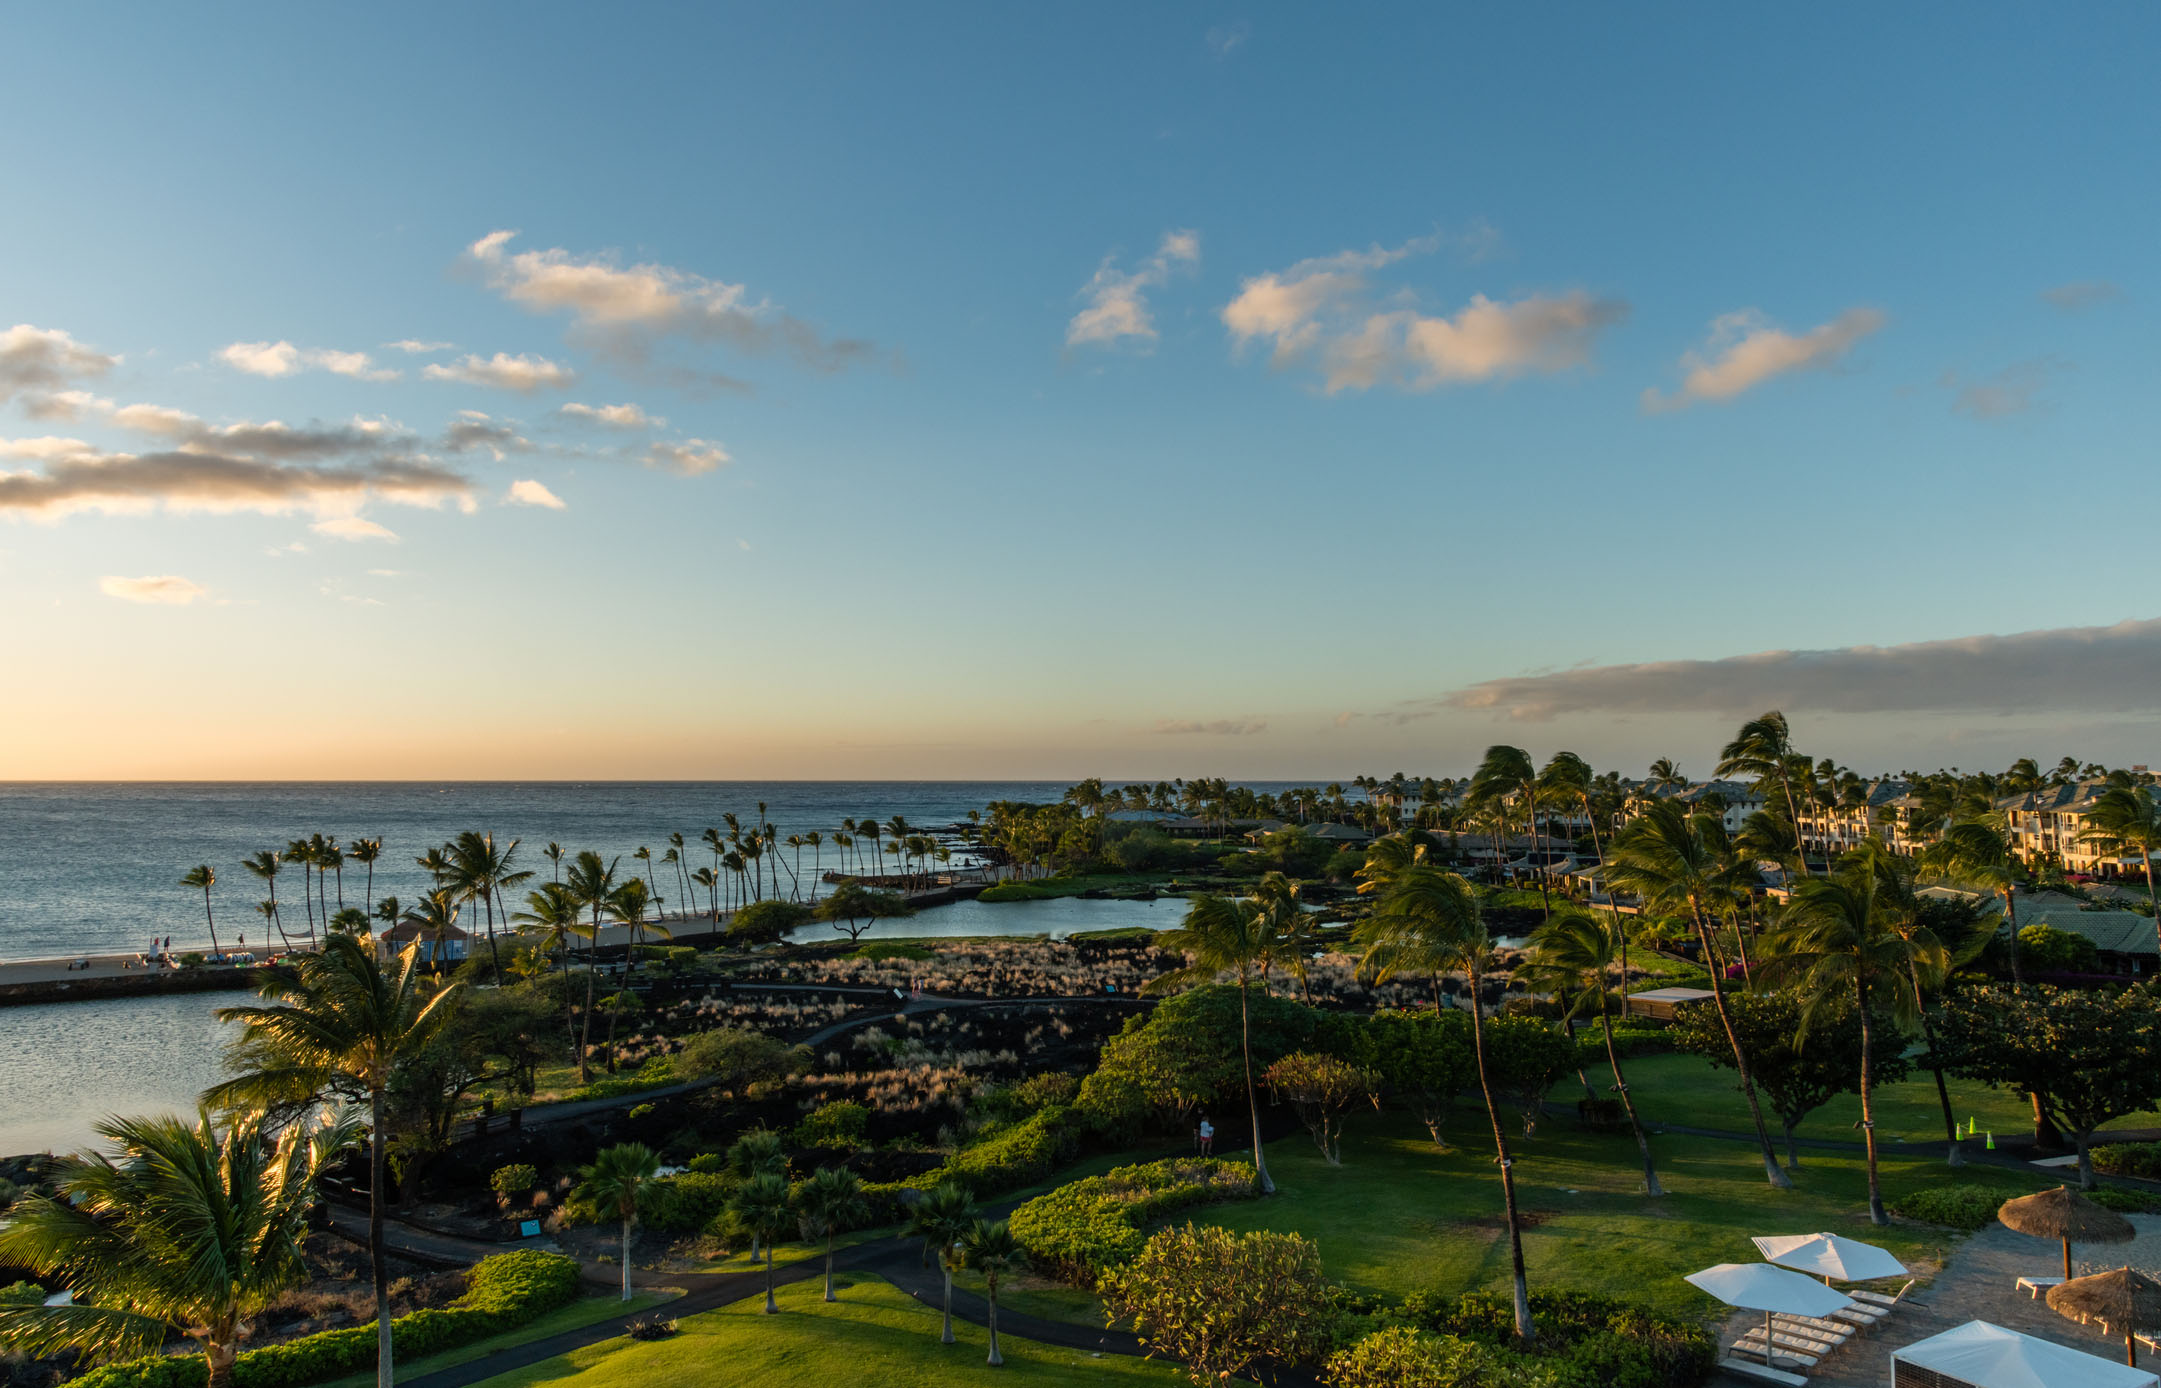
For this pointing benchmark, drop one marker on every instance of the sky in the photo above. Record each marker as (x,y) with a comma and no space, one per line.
(537,391)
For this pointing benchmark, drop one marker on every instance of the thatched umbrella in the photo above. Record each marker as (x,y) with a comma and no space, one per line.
(2064,1214)
(2123,1299)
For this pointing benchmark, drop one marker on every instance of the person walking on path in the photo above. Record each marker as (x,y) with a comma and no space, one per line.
(1208,1137)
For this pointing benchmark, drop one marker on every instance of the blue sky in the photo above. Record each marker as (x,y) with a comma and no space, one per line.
(1133,390)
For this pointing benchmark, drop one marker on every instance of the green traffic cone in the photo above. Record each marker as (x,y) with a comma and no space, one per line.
(1992,1141)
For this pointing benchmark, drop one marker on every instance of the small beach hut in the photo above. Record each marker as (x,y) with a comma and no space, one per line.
(1981,1355)
(2123,1300)
(2065,1215)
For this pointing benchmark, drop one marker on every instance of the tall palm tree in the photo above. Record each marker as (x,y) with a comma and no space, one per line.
(1896,876)
(591,884)
(556,911)
(1428,921)
(339,1027)
(626,906)
(366,851)
(1763,750)
(761,1205)
(203,878)
(436,913)
(831,1202)
(184,1226)
(1504,774)
(331,858)
(1664,775)
(1574,955)
(1286,928)
(264,866)
(554,853)
(302,852)
(1219,934)
(1972,854)
(991,1249)
(618,1178)
(1677,863)
(1836,945)
(758,1152)
(2127,821)
(705,877)
(942,1219)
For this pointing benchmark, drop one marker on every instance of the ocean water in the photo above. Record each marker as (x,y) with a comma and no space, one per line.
(96,867)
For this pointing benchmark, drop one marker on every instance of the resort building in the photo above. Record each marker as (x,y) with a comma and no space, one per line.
(2044,825)
(1879,810)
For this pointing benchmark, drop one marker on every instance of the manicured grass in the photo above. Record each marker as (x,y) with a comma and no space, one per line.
(1398,1217)
(1051,888)
(874,1334)
(578,1313)
(1035,1295)
(1687,1090)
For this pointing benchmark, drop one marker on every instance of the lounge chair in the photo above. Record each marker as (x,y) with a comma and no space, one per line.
(1833,1330)
(1784,1348)
(2035,1286)
(1888,1303)
(1761,1373)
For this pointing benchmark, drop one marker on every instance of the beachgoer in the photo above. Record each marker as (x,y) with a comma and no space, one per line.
(1208,1137)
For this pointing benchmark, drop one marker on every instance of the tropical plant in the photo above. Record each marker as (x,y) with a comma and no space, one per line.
(1763,751)
(1574,954)
(1226,1306)
(830,1202)
(365,852)
(591,884)
(756,1153)
(202,879)
(760,1206)
(1506,774)
(554,909)
(264,866)
(942,1219)
(183,1226)
(337,1028)
(1223,934)
(2126,821)
(1972,854)
(990,1248)
(1323,1089)
(851,908)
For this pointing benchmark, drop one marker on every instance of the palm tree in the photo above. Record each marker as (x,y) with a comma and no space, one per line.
(831,1202)
(555,910)
(339,1026)
(554,854)
(301,852)
(758,1152)
(1664,775)
(183,1227)
(2128,821)
(1428,921)
(1219,934)
(942,1219)
(591,884)
(760,1205)
(264,866)
(1763,749)
(1286,927)
(1506,774)
(1677,863)
(1836,945)
(992,1250)
(330,857)
(1574,954)
(437,915)
(203,878)
(367,851)
(619,1176)
(626,905)
(1974,855)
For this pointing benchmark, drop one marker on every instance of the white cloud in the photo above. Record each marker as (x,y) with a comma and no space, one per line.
(40,360)
(1317,312)
(686,456)
(1215,727)
(414,346)
(43,449)
(1226,39)
(503,371)
(614,416)
(89,479)
(169,589)
(278,359)
(65,404)
(474,430)
(527,492)
(1744,350)
(353,528)
(623,312)
(1117,299)
(2001,394)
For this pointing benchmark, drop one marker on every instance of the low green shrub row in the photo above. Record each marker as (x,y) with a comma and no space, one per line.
(1404,1357)
(1079,1230)
(1954,1206)
(2140,1159)
(2125,1201)
(501,1293)
(1013,1156)
(1584,1341)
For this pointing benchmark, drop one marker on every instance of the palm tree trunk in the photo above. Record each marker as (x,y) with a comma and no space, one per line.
(2010,918)
(626,1257)
(213,923)
(996,1359)
(1253,1103)
(829,1266)
(1868,1096)
(2146,856)
(1956,1157)
(1651,1186)
(946,1265)
(1778,1179)
(221,1355)
(376,1254)
(592,974)
(771,1306)
(1525,1332)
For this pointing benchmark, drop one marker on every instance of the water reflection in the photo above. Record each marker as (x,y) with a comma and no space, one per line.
(66,1065)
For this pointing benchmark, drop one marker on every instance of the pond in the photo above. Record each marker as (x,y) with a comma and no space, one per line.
(69,1064)
(1056,918)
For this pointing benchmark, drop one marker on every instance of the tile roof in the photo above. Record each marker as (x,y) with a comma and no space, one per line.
(2113,932)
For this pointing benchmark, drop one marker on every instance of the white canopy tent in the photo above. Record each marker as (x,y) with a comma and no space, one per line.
(1830,1257)
(1980,1355)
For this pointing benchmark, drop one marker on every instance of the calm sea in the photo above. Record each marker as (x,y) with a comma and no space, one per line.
(96,867)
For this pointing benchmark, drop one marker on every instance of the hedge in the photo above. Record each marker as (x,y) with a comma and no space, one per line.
(502,1293)
(2140,1159)
(1584,1341)
(1079,1230)
(1014,1156)
(1401,1357)
(1954,1206)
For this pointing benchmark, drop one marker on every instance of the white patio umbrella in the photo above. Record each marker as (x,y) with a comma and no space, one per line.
(1830,1257)
(1773,1291)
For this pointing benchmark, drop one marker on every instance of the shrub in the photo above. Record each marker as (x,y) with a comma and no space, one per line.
(1584,1341)
(843,1123)
(514,1179)
(736,1058)
(1954,1207)
(768,920)
(2125,1201)
(1225,1305)
(1401,1357)
(22,1294)
(1079,1231)
(879,950)
(501,1293)
(706,1163)
(2140,1159)
(2045,949)
(685,1203)
(1014,1156)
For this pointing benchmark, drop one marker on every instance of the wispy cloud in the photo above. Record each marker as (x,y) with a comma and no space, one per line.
(1117,299)
(522,373)
(37,360)
(686,456)
(614,416)
(473,430)
(83,478)
(527,492)
(625,312)
(2080,295)
(1745,349)
(1226,39)
(414,346)
(1215,727)
(2065,669)
(170,590)
(2002,394)
(353,528)
(277,359)
(1319,312)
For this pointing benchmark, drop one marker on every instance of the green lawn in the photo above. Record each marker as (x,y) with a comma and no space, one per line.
(1398,1217)
(875,1334)
(577,1313)
(1686,1090)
